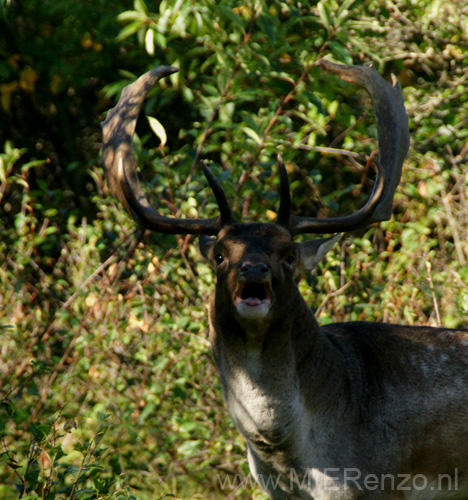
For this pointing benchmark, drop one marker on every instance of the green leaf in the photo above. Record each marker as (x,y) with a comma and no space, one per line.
(140,6)
(189,447)
(252,134)
(158,129)
(223,78)
(130,15)
(341,52)
(325,14)
(128,30)
(149,42)
(268,24)
(160,39)
(228,14)
(343,10)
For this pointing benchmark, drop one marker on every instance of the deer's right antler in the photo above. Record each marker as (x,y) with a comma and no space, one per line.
(392,127)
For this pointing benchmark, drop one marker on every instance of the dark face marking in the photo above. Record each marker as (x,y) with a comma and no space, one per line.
(254,265)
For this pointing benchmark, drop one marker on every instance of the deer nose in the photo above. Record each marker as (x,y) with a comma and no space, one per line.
(254,270)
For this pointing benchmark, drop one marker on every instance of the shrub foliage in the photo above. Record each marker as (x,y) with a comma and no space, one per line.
(108,389)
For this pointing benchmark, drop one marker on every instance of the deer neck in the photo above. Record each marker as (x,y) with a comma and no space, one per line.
(276,379)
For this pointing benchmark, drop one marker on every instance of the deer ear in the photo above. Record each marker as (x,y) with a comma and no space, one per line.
(310,253)
(206,245)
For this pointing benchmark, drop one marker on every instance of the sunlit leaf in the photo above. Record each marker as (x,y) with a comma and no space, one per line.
(252,134)
(158,129)
(325,14)
(149,42)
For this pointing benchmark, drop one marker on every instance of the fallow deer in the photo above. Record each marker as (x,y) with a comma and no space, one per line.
(338,412)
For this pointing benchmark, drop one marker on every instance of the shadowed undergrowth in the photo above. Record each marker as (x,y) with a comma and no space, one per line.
(108,389)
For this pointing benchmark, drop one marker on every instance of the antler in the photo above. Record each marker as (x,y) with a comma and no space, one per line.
(120,165)
(392,127)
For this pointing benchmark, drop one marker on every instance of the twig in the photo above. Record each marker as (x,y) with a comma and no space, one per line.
(434,298)
(233,493)
(334,151)
(453,227)
(321,307)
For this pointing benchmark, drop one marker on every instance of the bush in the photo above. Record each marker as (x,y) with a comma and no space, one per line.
(108,387)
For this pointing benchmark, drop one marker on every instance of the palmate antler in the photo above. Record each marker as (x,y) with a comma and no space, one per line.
(120,164)
(392,126)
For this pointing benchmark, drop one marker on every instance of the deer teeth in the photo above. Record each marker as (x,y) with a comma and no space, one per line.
(253,294)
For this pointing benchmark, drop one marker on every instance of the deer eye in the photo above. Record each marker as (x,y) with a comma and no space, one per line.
(218,258)
(290,259)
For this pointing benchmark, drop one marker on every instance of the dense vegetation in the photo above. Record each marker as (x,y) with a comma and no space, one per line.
(108,389)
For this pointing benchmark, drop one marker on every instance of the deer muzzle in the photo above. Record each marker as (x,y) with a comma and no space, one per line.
(253,295)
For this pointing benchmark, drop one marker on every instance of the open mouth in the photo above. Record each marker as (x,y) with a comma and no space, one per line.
(253,294)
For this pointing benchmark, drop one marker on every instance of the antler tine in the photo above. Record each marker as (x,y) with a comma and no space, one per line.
(392,127)
(226,216)
(284,211)
(120,163)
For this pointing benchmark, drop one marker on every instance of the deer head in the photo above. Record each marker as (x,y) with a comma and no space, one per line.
(255,262)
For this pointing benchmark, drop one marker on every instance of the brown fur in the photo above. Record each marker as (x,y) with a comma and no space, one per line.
(377,398)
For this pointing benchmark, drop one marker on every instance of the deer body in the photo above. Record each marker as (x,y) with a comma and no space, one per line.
(326,410)
(317,441)
(345,411)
